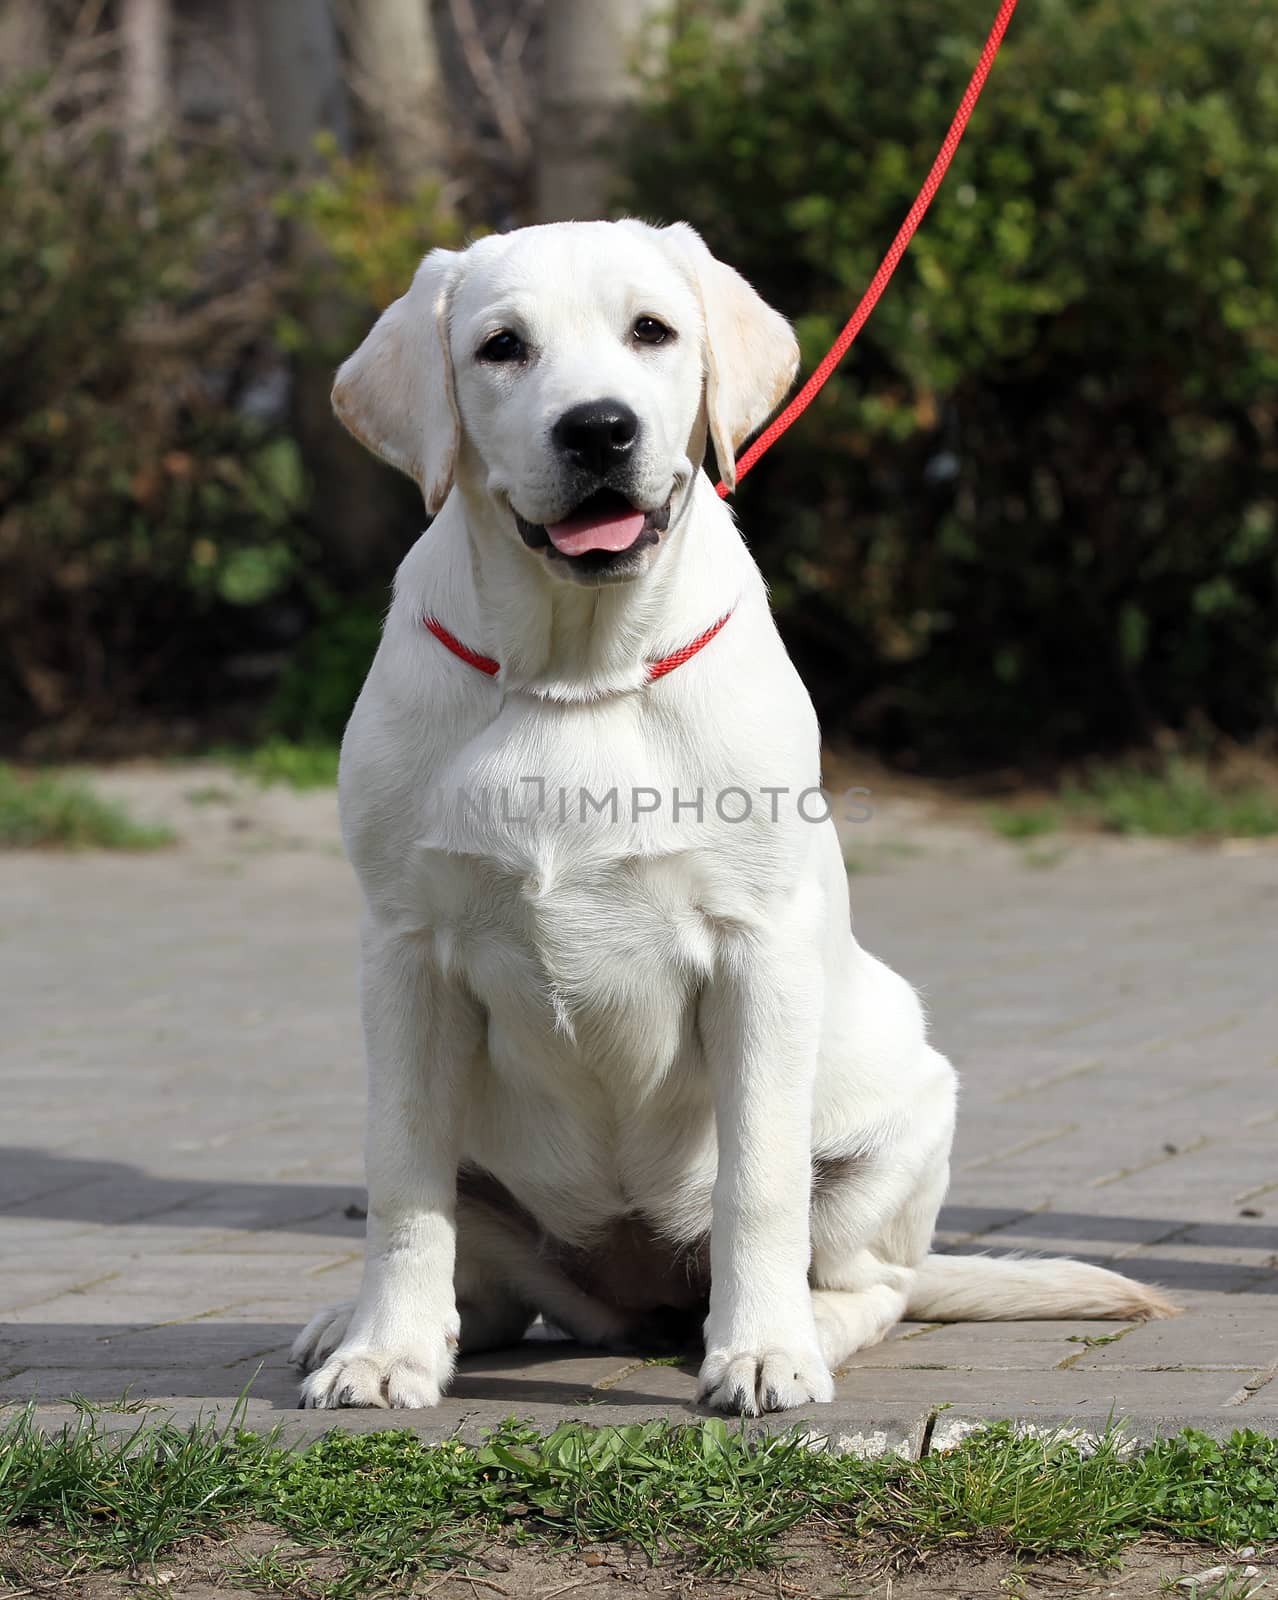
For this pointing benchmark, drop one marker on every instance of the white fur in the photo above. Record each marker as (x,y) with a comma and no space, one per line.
(663,1014)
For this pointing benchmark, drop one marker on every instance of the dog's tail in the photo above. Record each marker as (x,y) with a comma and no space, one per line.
(1017,1288)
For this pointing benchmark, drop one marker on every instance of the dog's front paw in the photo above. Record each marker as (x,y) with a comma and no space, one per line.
(363,1375)
(321,1336)
(748,1383)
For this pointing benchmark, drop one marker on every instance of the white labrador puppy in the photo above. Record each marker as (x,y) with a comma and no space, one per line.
(628,1067)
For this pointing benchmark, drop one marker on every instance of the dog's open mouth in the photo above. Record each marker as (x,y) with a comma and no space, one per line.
(604,526)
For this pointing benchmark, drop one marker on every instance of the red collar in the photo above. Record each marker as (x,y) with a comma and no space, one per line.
(656,669)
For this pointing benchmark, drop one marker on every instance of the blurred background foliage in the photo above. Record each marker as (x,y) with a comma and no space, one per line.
(371,239)
(1035,516)
(140,497)
(159,555)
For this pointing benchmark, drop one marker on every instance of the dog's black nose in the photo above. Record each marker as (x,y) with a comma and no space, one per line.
(597,435)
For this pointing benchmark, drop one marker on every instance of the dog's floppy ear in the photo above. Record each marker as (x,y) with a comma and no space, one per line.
(395,394)
(751,352)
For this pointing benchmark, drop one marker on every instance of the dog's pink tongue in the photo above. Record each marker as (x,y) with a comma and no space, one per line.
(586,530)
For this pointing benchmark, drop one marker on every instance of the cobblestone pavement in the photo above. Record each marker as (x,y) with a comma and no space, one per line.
(180,1179)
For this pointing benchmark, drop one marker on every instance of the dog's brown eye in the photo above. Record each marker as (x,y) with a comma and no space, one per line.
(503,346)
(647,330)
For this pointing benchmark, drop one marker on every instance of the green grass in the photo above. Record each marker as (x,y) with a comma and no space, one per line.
(300,765)
(1183,801)
(381,1507)
(1022,825)
(45,810)
(210,794)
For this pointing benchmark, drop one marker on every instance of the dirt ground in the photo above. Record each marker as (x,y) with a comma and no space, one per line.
(812,1567)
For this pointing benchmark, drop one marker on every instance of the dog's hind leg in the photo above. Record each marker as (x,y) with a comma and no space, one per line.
(504,1281)
(859,1295)
(872,1226)
(848,1321)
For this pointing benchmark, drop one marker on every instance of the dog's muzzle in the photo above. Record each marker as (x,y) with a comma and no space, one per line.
(600,536)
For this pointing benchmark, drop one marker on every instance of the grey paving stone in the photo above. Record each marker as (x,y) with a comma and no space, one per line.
(1044,1393)
(987,1347)
(1237,1331)
(182,1129)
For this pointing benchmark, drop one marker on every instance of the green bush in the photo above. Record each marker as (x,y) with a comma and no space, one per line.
(140,503)
(369,242)
(319,686)
(161,543)
(1036,512)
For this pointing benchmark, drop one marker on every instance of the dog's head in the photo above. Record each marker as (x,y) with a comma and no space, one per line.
(572,373)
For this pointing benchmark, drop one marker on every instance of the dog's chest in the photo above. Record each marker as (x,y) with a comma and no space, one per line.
(571,951)
(556,879)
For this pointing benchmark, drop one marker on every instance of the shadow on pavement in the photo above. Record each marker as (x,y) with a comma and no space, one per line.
(199,1360)
(40,1184)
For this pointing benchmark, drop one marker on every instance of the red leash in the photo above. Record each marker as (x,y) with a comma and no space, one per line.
(840,347)
(890,261)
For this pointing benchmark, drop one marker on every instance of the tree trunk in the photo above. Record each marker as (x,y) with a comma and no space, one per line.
(395,73)
(24,37)
(145,29)
(303,93)
(299,75)
(591,49)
